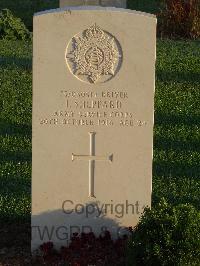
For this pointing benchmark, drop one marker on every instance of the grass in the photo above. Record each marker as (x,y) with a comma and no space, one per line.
(177,128)
(15,130)
(176,136)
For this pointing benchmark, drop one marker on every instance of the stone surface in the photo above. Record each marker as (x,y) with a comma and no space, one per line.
(111,3)
(93,105)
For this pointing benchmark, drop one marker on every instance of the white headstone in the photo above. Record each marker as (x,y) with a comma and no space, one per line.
(111,3)
(93,105)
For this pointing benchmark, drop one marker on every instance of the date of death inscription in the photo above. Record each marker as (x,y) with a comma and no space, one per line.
(111,108)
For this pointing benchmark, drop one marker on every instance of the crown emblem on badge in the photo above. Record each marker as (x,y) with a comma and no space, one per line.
(95,55)
(94,32)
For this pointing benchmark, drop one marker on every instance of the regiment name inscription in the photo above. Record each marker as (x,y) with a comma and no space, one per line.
(109,110)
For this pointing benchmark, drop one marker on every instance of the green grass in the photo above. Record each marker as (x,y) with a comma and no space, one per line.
(177,128)
(15,129)
(177,123)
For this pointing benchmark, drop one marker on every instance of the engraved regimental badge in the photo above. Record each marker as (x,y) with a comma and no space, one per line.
(94,55)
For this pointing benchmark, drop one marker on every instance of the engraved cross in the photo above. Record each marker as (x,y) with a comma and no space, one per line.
(92,158)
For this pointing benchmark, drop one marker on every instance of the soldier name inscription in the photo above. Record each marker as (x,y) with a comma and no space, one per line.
(106,116)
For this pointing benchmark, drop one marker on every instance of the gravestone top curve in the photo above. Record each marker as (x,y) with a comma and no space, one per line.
(93,8)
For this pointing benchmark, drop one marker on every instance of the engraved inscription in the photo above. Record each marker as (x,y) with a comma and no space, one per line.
(94,56)
(89,108)
(92,158)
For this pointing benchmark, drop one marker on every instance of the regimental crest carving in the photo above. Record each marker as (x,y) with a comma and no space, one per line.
(94,55)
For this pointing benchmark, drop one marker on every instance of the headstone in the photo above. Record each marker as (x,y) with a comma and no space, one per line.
(111,3)
(93,105)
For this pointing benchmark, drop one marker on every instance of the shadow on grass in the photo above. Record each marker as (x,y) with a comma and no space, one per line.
(167,144)
(162,143)
(182,190)
(8,128)
(175,119)
(175,169)
(166,76)
(14,190)
(14,130)
(16,156)
(12,182)
(15,231)
(9,62)
(14,211)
